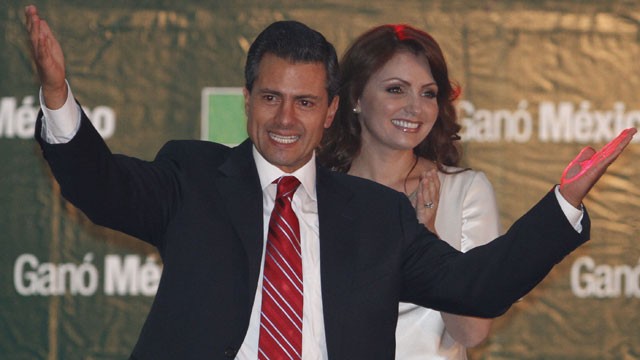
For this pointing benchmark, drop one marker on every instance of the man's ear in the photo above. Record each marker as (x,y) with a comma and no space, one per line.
(247,95)
(331,112)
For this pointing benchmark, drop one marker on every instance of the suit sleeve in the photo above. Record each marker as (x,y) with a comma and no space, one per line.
(123,193)
(488,279)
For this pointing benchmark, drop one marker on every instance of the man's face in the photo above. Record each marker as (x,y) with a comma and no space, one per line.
(288,110)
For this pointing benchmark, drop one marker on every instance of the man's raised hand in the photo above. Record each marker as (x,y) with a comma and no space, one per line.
(585,170)
(48,57)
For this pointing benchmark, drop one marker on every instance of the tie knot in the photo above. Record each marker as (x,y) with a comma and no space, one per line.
(287,185)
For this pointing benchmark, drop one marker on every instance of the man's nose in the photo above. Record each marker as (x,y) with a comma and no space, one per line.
(286,113)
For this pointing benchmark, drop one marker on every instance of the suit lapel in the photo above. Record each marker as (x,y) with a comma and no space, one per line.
(337,252)
(240,188)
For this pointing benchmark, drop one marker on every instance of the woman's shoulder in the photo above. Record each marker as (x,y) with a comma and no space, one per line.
(464,177)
(460,172)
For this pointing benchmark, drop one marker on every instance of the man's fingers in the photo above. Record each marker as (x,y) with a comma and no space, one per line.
(585,154)
(585,170)
(589,159)
(43,48)
(29,14)
(43,54)
(39,33)
(610,152)
(34,28)
(615,146)
(576,165)
(45,30)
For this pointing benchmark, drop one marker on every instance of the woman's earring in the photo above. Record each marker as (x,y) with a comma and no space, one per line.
(356,110)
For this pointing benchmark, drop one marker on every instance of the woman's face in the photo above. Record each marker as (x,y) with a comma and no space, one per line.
(399,106)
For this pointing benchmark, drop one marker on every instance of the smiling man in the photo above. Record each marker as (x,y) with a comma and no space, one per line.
(267,255)
(288,108)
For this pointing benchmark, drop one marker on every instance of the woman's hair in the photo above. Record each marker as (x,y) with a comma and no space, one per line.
(368,54)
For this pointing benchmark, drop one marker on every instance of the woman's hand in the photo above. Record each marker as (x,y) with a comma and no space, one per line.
(428,198)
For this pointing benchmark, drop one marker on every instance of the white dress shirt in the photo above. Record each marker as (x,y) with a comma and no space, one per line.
(61,125)
(305,205)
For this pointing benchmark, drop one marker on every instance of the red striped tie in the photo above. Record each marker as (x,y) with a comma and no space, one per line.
(281,315)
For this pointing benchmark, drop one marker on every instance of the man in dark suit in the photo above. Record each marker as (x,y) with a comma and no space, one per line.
(206,207)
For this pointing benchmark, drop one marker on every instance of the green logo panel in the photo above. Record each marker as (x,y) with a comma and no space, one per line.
(223,118)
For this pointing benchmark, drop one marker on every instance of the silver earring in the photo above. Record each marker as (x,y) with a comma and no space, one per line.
(356,110)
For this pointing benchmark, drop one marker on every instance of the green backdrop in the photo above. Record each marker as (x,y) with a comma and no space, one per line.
(540,80)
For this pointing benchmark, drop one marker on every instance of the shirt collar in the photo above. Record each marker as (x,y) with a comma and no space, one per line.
(268,172)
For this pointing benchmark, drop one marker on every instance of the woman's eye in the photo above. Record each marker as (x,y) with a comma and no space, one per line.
(394,90)
(430,94)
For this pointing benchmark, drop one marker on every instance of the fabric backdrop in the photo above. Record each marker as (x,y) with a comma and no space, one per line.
(540,80)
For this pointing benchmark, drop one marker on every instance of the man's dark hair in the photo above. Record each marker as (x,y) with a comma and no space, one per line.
(295,42)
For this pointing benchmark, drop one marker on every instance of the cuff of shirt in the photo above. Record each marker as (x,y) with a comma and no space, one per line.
(573,215)
(61,125)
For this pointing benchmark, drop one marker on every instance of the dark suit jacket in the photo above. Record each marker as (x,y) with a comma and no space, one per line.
(200,204)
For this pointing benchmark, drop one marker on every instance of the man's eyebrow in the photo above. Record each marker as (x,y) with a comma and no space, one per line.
(297,97)
(312,97)
(269,91)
